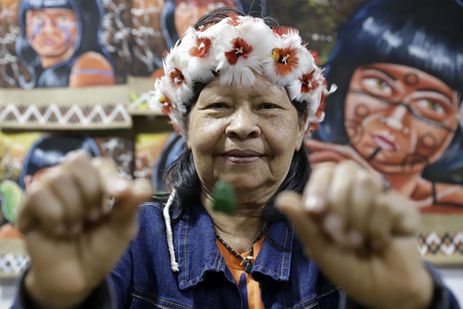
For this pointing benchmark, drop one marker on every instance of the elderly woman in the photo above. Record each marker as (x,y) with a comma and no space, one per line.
(242,93)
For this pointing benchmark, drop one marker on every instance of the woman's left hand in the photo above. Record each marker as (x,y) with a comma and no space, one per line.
(361,235)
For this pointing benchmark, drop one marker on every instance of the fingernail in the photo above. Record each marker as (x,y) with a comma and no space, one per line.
(109,204)
(314,203)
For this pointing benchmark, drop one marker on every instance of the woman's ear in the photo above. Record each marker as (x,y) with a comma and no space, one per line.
(300,139)
(187,140)
(186,134)
(302,131)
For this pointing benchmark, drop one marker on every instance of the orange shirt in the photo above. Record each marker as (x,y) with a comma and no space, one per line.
(237,270)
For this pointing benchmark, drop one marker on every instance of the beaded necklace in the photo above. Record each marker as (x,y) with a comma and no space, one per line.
(246,261)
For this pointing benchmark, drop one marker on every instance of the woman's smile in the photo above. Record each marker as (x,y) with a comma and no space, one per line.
(242,156)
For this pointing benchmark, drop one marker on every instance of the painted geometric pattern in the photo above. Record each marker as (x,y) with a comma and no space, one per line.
(443,244)
(12,264)
(62,115)
(142,104)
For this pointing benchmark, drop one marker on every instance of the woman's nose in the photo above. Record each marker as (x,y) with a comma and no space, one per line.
(395,120)
(243,125)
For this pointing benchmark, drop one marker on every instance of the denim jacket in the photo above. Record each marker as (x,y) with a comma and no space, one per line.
(143,277)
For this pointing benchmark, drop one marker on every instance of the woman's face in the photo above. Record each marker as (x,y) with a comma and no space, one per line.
(399,118)
(246,136)
(52,32)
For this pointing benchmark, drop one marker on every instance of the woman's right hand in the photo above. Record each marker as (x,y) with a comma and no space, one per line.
(74,238)
(361,235)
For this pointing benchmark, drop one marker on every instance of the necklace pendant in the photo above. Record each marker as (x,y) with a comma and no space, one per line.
(248,266)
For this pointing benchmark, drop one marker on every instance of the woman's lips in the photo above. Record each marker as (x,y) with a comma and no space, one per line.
(48,41)
(384,143)
(242,156)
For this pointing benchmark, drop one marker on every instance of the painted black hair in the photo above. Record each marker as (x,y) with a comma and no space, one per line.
(50,150)
(424,34)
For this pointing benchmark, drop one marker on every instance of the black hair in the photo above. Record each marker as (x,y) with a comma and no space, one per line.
(183,176)
(424,34)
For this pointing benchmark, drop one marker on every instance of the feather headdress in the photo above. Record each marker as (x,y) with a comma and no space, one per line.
(235,49)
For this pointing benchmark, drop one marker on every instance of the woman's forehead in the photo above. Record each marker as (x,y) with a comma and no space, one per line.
(261,87)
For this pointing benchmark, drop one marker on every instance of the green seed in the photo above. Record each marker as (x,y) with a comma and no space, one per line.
(12,197)
(224,197)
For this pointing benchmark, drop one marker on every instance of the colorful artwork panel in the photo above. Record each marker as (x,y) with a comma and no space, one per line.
(25,158)
(397,110)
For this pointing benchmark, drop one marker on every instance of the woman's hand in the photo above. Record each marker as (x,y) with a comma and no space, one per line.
(361,236)
(73,236)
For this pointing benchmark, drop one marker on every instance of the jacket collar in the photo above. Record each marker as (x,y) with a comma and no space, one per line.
(197,252)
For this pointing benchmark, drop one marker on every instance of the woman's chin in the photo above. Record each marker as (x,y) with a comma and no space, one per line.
(241,182)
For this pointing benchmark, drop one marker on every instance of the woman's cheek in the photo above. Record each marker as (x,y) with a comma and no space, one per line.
(431,143)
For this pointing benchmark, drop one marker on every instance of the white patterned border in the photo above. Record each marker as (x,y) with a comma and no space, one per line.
(142,105)
(13,115)
(13,264)
(446,244)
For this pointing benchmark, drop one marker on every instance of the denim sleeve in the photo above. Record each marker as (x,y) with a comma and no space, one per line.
(121,279)
(113,293)
(101,297)
(442,298)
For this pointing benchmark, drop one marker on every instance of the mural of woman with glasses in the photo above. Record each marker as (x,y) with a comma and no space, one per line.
(398,105)
(60,44)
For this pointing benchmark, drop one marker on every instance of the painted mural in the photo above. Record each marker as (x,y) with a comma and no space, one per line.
(76,74)
(397,107)
(398,110)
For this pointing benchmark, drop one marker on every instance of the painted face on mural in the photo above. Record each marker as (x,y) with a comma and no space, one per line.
(399,118)
(52,33)
(187,12)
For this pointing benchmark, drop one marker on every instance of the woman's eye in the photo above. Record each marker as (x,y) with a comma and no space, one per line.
(63,20)
(38,19)
(217,105)
(431,105)
(267,105)
(377,86)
